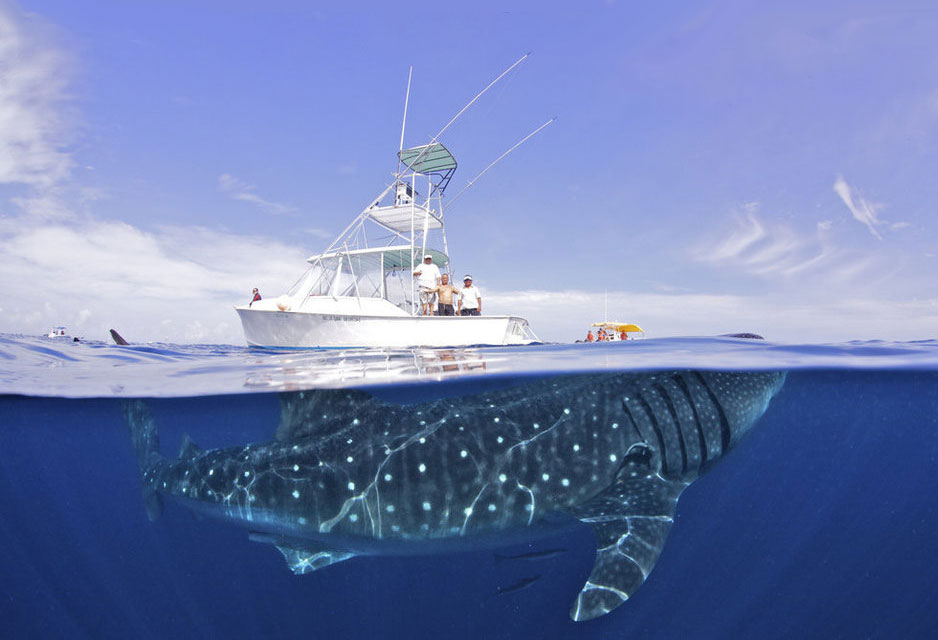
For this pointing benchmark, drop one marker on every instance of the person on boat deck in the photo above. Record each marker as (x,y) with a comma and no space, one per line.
(257,296)
(623,336)
(444,296)
(470,299)
(428,279)
(600,336)
(589,336)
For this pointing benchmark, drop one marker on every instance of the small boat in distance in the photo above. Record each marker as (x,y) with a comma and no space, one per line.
(58,332)
(361,291)
(611,331)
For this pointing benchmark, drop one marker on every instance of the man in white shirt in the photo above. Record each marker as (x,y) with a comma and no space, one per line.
(470,299)
(428,279)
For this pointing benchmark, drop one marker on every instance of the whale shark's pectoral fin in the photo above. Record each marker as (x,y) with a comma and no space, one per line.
(303,556)
(630,521)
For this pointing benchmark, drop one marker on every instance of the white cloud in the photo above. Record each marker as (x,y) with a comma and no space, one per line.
(33,92)
(172,284)
(864,211)
(241,190)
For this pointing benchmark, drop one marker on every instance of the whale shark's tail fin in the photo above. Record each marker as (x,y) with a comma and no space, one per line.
(146,440)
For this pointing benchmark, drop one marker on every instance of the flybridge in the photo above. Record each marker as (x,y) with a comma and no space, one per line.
(367,271)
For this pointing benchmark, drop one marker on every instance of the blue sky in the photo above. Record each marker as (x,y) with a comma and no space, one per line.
(714,166)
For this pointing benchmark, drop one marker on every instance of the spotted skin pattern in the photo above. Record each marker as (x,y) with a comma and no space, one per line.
(348,474)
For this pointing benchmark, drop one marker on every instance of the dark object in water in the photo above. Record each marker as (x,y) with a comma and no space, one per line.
(523,583)
(750,336)
(118,338)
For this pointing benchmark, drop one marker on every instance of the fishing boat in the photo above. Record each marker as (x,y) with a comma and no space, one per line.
(361,291)
(58,332)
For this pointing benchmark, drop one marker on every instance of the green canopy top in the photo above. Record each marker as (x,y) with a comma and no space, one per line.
(428,158)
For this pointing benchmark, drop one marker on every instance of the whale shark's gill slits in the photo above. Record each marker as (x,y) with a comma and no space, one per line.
(725,434)
(656,428)
(701,439)
(677,423)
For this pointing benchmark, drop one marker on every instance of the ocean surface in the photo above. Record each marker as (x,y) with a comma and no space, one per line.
(822,522)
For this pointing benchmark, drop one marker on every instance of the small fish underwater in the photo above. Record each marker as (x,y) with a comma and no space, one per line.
(350,473)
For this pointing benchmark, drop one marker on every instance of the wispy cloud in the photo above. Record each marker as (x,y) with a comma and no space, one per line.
(768,249)
(863,211)
(241,190)
(33,92)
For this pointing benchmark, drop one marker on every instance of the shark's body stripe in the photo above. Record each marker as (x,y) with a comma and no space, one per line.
(701,439)
(725,434)
(677,424)
(656,428)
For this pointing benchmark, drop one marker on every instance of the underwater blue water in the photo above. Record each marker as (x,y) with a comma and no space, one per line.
(821,523)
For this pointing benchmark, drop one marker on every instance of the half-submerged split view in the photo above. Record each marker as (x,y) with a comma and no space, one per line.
(656,357)
(552,490)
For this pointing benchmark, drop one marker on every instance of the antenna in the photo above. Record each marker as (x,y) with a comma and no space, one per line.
(404,123)
(498,159)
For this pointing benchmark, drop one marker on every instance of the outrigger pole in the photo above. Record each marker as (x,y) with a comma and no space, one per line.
(435,138)
(498,159)
(490,85)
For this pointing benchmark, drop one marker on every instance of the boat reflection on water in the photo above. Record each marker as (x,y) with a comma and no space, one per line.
(296,371)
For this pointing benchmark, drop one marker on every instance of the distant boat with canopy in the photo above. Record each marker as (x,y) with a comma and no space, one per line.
(617,331)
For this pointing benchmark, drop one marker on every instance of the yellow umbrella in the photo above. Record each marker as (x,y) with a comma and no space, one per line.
(619,327)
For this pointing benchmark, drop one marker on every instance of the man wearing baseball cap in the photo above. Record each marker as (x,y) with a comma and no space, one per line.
(428,279)
(470,298)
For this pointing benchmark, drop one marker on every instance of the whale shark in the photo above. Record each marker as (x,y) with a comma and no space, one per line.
(351,472)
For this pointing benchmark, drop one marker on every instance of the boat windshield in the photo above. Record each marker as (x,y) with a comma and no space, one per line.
(365,274)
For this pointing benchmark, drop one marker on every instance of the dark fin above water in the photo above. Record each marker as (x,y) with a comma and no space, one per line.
(118,338)
(630,521)
(302,556)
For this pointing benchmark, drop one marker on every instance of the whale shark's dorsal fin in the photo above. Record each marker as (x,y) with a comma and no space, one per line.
(630,521)
(305,414)
(187,448)
(302,556)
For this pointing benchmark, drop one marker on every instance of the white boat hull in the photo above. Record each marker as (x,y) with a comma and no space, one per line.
(275,328)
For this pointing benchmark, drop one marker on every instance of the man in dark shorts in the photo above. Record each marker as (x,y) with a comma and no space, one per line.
(444,296)
(470,299)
